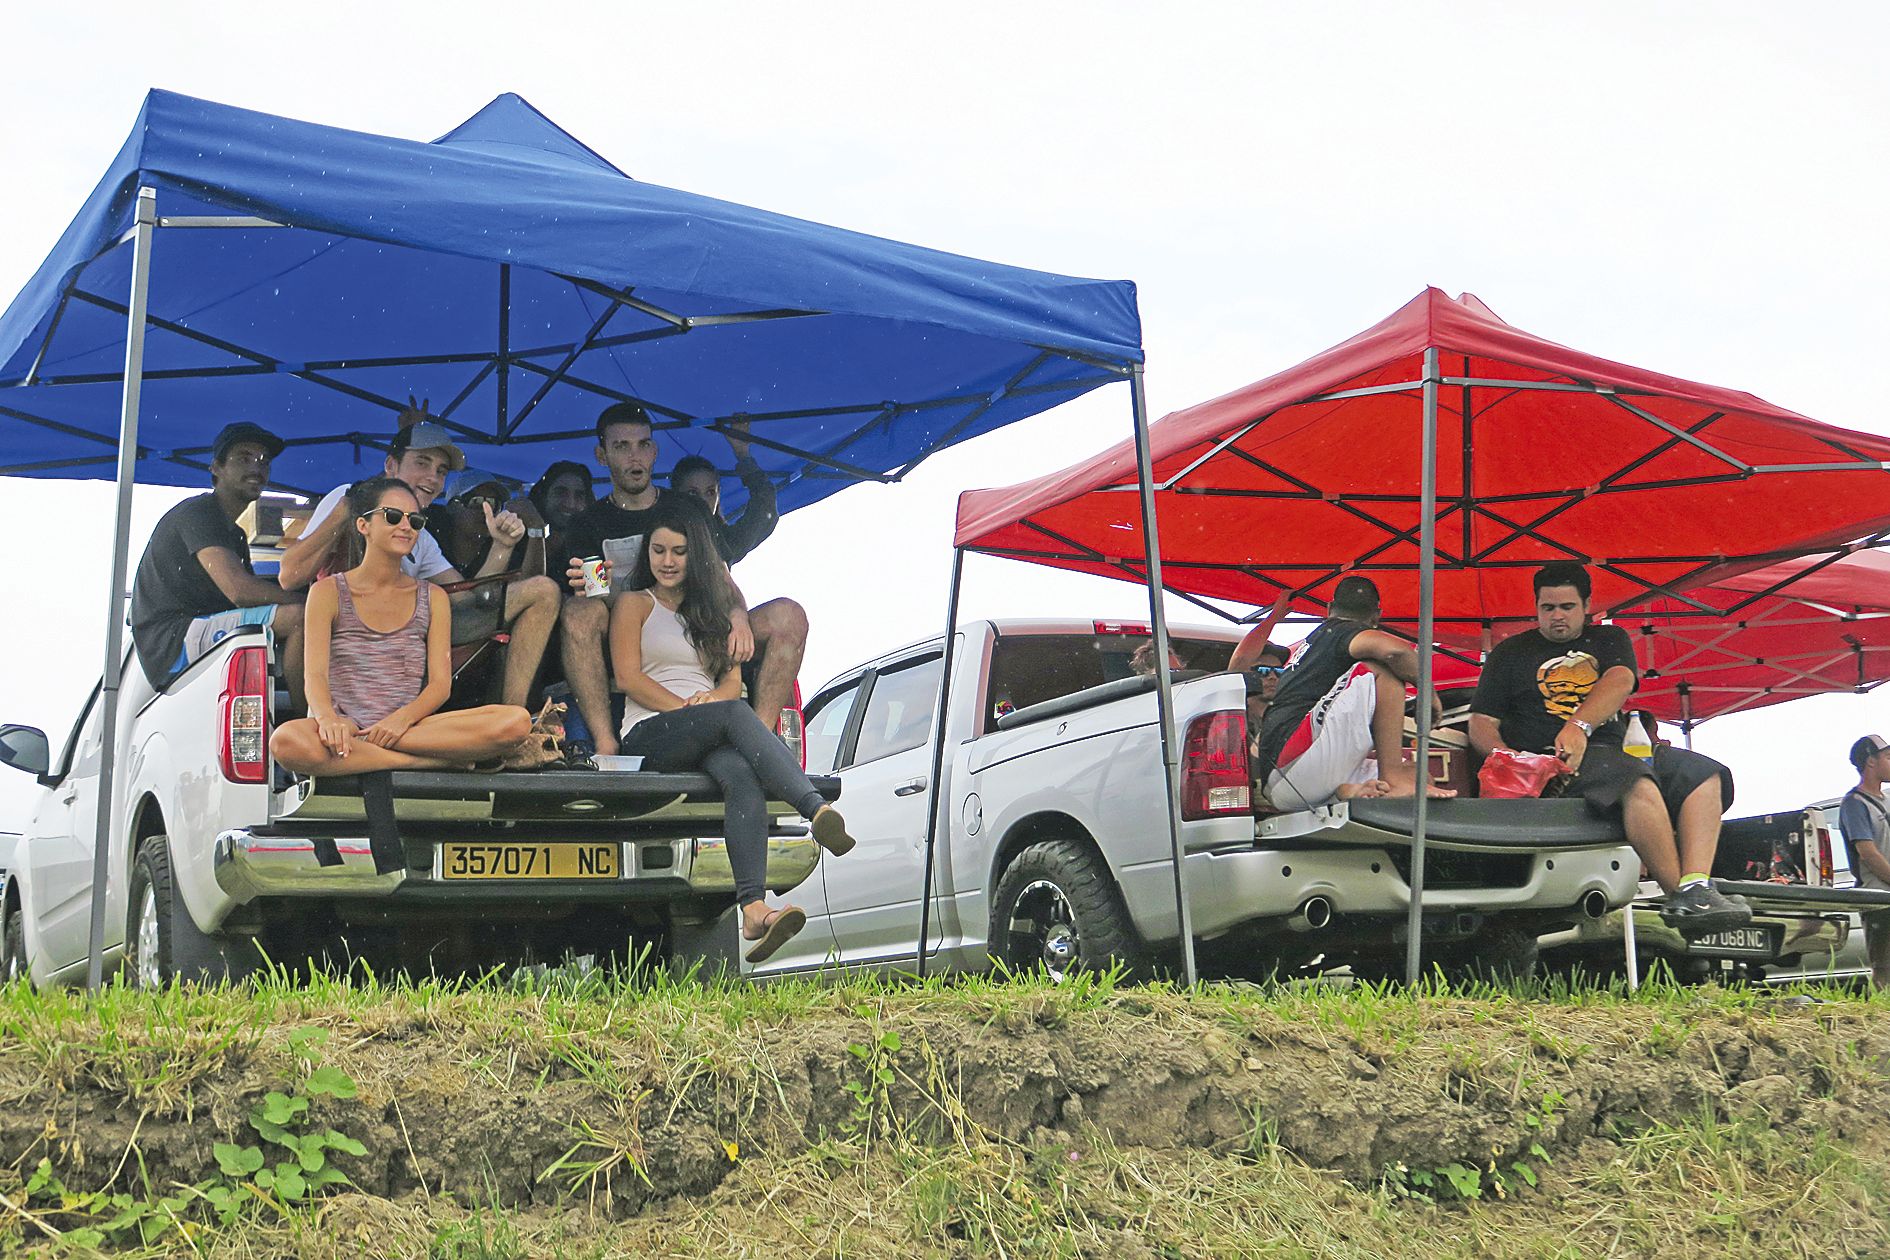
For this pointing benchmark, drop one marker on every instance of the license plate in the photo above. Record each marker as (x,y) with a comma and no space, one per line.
(1742,942)
(462,860)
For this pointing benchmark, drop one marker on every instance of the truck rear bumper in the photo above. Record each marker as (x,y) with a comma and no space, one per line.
(249,866)
(1229,888)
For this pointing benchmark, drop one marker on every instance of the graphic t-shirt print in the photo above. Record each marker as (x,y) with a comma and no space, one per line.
(1566,680)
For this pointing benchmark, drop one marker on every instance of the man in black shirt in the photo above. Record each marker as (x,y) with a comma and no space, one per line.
(1335,727)
(195,583)
(1560,688)
(735,539)
(613,529)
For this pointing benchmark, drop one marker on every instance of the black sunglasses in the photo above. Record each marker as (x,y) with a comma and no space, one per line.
(393,515)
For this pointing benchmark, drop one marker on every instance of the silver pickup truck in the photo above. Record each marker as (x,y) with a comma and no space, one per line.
(1054,844)
(215,851)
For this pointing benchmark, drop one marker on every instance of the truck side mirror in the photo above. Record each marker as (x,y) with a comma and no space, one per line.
(24,748)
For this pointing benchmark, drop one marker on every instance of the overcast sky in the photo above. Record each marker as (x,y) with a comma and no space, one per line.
(1696,189)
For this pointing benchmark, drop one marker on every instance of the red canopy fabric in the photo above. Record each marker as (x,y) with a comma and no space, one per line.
(1789,630)
(1650,479)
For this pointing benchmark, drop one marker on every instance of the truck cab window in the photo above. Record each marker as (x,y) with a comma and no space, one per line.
(899,711)
(826,725)
(1029,669)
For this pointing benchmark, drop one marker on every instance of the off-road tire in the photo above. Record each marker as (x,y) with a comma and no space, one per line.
(13,946)
(183,952)
(1092,928)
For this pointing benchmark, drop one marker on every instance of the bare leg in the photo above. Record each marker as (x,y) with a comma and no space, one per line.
(532,604)
(287,627)
(465,735)
(1650,831)
(586,626)
(1699,828)
(298,746)
(1399,776)
(780,624)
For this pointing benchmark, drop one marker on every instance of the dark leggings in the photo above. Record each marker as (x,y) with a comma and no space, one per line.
(726,740)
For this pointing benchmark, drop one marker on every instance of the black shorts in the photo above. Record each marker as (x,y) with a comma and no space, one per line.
(1607,773)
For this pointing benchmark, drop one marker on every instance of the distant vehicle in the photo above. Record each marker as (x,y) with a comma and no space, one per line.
(1794,870)
(1054,845)
(215,850)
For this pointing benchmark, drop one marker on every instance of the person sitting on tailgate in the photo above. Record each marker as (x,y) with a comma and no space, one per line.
(1560,689)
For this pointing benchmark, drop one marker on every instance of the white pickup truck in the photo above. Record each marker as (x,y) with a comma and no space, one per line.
(1055,846)
(215,851)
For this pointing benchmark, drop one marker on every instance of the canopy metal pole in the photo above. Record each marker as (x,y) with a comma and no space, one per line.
(1164,683)
(1686,715)
(1630,947)
(1427,574)
(936,785)
(107,809)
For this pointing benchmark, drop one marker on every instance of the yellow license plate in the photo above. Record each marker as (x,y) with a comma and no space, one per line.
(460,860)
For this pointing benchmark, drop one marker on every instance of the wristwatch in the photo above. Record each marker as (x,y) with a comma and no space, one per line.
(1586,728)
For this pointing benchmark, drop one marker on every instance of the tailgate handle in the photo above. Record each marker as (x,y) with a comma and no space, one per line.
(910,786)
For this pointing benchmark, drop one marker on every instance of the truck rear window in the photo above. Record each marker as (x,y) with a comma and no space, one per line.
(1029,669)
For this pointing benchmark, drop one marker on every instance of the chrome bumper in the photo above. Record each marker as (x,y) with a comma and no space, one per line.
(249,866)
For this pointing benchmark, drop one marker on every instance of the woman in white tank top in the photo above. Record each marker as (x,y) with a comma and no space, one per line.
(669,653)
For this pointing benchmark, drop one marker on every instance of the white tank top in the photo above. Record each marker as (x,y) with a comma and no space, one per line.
(669,658)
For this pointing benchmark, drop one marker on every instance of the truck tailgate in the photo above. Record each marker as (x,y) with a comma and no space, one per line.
(1505,825)
(545,795)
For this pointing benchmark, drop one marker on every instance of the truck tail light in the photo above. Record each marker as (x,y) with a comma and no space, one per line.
(243,717)
(1123,627)
(1826,875)
(1214,777)
(793,727)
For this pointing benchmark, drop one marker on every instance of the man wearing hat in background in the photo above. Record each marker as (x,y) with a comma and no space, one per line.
(422,454)
(1865,820)
(195,583)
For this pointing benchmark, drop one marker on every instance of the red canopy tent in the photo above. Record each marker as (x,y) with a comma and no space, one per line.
(1781,632)
(1446,455)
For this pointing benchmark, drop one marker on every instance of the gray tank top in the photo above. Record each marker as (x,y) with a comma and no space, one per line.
(669,658)
(373,672)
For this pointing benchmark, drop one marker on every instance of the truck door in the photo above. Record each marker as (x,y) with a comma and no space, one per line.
(58,846)
(873,892)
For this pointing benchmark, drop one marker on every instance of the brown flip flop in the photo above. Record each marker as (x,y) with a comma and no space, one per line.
(782,928)
(830,831)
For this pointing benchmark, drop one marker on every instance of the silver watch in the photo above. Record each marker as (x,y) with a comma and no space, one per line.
(1586,728)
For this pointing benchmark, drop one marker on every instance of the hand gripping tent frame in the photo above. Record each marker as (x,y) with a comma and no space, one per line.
(1446,455)
(235,265)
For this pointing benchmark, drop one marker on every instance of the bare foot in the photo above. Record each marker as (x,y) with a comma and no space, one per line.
(1403,783)
(1365,791)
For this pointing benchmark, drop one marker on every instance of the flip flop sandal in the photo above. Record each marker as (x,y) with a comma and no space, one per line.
(830,831)
(782,928)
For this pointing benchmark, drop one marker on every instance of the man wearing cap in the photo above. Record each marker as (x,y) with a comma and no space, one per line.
(195,583)
(422,454)
(1865,820)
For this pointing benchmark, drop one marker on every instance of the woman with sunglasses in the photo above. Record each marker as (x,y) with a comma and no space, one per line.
(378,661)
(683,711)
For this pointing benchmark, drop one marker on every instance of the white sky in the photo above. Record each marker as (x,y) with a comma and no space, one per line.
(1695,189)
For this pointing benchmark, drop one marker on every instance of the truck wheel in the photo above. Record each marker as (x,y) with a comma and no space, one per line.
(13,953)
(1057,906)
(162,943)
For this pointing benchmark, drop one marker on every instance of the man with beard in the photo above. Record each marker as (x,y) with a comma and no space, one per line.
(422,454)
(195,583)
(1560,689)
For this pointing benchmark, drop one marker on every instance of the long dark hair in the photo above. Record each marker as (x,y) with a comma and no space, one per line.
(707,602)
(363,496)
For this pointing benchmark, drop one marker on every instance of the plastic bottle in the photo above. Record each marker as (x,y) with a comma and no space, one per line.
(1637,742)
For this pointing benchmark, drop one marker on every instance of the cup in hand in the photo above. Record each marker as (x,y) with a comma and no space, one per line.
(596,575)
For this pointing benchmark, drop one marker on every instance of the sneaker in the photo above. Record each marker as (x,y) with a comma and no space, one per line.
(1702,908)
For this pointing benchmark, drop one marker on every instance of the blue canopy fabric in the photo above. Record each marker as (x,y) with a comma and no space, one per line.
(519,283)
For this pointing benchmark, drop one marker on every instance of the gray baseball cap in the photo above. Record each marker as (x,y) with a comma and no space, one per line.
(428,436)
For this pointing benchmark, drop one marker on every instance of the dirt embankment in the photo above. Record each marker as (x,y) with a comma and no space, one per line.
(647,1108)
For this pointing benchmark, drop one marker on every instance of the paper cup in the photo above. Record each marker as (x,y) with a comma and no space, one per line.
(596,575)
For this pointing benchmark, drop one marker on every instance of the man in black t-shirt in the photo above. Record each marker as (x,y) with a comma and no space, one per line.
(1335,727)
(736,539)
(1560,689)
(613,528)
(195,583)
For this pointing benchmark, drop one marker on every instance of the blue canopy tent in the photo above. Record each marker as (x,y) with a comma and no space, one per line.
(236,265)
